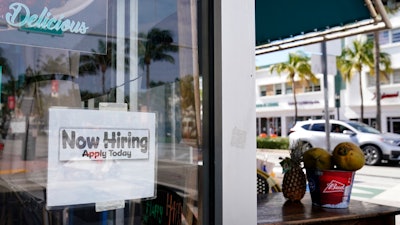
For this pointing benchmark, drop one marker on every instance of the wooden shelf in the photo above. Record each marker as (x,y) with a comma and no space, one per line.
(274,209)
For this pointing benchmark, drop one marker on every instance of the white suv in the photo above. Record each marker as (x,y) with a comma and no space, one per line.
(377,146)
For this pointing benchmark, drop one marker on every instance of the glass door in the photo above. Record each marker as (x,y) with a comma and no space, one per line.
(101,112)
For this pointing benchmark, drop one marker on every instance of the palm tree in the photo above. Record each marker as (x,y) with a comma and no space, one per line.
(391,7)
(154,46)
(354,58)
(55,65)
(383,67)
(9,88)
(297,68)
(6,69)
(99,60)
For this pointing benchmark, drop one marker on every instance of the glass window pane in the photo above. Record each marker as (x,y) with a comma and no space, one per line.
(396,76)
(371,80)
(102,121)
(270,89)
(263,91)
(384,37)
(370,36)
(318,127)
(278,89)
(289,88)
(385,79)
(308,89)
(299,87)
(396,35)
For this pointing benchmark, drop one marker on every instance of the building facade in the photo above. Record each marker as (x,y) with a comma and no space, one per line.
(274,98)
(275,102)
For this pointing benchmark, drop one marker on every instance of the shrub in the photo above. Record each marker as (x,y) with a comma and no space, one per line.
(273,142)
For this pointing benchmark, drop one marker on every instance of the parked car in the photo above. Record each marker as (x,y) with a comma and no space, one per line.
(377,146)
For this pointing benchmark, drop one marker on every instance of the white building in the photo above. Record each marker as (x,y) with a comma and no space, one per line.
(274,98)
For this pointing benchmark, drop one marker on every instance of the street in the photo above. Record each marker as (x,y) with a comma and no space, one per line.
(378,184)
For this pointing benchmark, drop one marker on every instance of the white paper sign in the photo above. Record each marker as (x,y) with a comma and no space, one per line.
(100,156)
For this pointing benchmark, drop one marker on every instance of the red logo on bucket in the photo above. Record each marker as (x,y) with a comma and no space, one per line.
(334,186)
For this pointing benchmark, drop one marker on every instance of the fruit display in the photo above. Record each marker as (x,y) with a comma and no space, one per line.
(317,158)
(330,176)
(348,156)
(294,179)
(345,156)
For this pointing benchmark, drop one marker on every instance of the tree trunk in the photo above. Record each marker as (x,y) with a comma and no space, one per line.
(148,87)
(147,76)
(103,81)
(295,101)
(378,82)
(361,98)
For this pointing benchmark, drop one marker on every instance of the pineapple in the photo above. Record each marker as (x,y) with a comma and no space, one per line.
(294,179)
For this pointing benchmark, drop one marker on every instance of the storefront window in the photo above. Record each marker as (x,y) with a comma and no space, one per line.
(101,112)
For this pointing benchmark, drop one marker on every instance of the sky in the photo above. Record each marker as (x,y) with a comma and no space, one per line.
(275,57)
(333,48)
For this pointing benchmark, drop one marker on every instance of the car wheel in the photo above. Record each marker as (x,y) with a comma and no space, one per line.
(306,146)
(372,155)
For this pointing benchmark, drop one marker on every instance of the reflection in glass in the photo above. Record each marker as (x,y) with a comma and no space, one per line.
(147,60)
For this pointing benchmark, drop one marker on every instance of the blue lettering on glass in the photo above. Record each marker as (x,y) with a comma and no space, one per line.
(21,17)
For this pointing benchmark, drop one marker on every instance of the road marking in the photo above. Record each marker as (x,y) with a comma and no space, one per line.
(366,192)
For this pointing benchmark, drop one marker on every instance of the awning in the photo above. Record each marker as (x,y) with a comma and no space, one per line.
(290,23)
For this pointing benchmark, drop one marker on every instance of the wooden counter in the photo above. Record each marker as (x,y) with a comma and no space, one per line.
(274,209)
